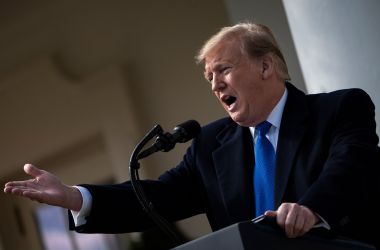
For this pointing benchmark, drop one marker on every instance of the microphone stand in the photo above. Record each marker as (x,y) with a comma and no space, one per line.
(147,206)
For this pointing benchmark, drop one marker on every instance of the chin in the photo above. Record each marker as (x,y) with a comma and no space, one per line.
(240,121)
(243,122)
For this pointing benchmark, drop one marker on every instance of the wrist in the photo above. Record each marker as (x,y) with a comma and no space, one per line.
(74,199)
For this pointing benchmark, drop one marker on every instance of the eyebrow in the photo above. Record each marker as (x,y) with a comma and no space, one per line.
(215,66)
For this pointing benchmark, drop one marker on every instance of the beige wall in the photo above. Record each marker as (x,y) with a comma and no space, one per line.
(82,81)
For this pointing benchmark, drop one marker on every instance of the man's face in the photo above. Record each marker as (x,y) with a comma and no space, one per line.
(238,83)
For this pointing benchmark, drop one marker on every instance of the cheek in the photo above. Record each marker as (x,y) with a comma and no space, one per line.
(249,99)
(229,77)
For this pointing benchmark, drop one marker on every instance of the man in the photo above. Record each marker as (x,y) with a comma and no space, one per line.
(322,154)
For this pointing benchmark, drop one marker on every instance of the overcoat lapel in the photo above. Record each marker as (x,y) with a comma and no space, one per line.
(294,122)
(232,166)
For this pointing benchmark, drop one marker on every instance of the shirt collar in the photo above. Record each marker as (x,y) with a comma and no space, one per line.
(275,116)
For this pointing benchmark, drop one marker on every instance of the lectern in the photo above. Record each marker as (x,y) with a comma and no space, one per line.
(248,235)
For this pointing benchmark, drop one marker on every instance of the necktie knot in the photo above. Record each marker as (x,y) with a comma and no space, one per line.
(263,127)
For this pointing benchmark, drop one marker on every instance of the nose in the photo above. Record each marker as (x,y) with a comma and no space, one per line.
(217,83)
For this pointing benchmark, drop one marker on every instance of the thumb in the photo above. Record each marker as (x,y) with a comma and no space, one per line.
(271,213)
(32,170)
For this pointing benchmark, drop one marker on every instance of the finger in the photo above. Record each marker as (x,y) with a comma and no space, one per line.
(290,221)
(33,195)
(13,190)
(26,183)
(15,183)
(281,216)
(309,223)
(299,226)
(32,170)
(310,218)
(8,184)
(19,190)
(7,190)
(27,193)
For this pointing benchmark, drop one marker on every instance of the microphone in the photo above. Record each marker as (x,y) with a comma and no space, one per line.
(166,141)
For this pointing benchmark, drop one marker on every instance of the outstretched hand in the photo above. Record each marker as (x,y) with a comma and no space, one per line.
(294,218)
(45,188)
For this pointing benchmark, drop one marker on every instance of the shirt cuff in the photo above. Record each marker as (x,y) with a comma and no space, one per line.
(80,216)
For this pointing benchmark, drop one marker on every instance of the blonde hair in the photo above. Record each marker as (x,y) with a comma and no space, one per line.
(256,40)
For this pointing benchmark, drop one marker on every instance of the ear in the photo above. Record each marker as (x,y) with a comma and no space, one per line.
(267,67)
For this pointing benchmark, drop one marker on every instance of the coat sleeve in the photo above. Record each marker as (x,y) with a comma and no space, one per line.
(345,187)
(115,209)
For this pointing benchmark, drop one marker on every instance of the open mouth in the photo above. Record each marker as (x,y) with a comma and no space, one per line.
(229,100)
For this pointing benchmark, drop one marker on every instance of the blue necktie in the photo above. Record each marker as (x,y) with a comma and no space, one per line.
(264,170)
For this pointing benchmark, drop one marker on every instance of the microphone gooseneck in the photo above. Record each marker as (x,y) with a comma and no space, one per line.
(163,142)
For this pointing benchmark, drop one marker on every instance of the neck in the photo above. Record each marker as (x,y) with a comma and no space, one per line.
(277,91)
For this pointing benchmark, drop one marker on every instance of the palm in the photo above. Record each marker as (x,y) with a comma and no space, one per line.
(44,187)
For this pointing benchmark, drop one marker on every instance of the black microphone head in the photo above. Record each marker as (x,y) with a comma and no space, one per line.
(187,130)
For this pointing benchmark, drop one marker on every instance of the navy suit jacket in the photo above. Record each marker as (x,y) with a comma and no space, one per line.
(326,159)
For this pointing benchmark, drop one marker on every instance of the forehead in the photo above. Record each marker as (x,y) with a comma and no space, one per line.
(224,52)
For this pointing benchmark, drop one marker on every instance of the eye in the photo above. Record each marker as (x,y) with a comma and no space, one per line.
(225,70)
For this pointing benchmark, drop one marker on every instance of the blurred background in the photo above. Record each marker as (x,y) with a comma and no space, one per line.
(82,81)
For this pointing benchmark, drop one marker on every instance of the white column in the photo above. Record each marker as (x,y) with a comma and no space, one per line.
(272,14)
(338,44)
